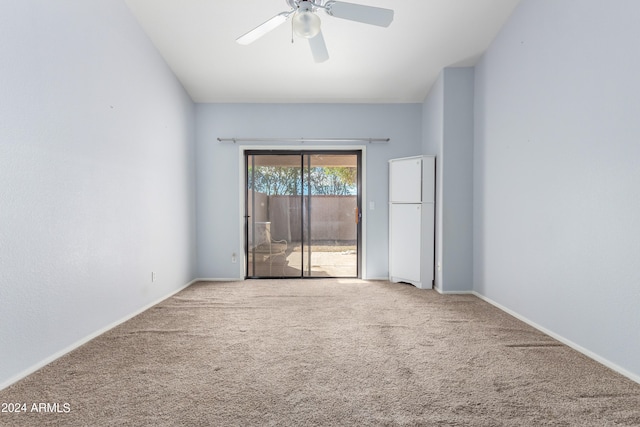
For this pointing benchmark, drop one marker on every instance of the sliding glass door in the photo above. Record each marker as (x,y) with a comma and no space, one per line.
(303,213)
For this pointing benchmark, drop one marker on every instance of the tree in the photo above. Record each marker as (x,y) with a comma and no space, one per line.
(333,180)
(282,180)
(275,180)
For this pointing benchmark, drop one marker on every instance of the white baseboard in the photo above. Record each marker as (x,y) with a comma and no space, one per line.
(220,279)
(440,291)
(563,340)
(88,338)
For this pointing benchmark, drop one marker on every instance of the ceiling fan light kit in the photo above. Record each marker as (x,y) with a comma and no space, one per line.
(306,23)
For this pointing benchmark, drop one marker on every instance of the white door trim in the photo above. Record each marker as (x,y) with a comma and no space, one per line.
(243,148)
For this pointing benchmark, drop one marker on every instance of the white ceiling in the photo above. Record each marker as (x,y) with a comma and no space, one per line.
(367,64)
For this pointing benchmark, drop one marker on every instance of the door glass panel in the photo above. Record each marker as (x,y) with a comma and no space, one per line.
(274,189)
(330,215)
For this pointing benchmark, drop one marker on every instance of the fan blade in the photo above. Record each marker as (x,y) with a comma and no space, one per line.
(360,13)
(318,48)
(264,28)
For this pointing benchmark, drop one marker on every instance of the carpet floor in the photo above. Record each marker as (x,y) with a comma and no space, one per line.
(323,352)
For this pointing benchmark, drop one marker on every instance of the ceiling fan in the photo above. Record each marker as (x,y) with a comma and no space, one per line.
(306,23)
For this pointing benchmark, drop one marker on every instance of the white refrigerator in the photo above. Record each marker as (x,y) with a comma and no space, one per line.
(412,220)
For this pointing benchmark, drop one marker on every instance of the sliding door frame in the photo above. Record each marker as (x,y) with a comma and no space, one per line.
(294,150)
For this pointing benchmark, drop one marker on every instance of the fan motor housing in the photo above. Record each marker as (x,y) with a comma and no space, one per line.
(296,3)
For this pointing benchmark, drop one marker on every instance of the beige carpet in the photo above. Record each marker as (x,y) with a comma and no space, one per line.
(324,352)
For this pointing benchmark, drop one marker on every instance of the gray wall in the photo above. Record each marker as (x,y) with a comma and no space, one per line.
(448,133)
(457,194)
(218,195)
(432,143)
(556,213)
(96,176)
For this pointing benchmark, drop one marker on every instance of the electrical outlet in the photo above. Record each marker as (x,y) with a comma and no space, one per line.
(234,258)
(153,276)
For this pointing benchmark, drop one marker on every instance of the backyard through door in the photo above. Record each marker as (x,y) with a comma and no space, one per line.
(303,214)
